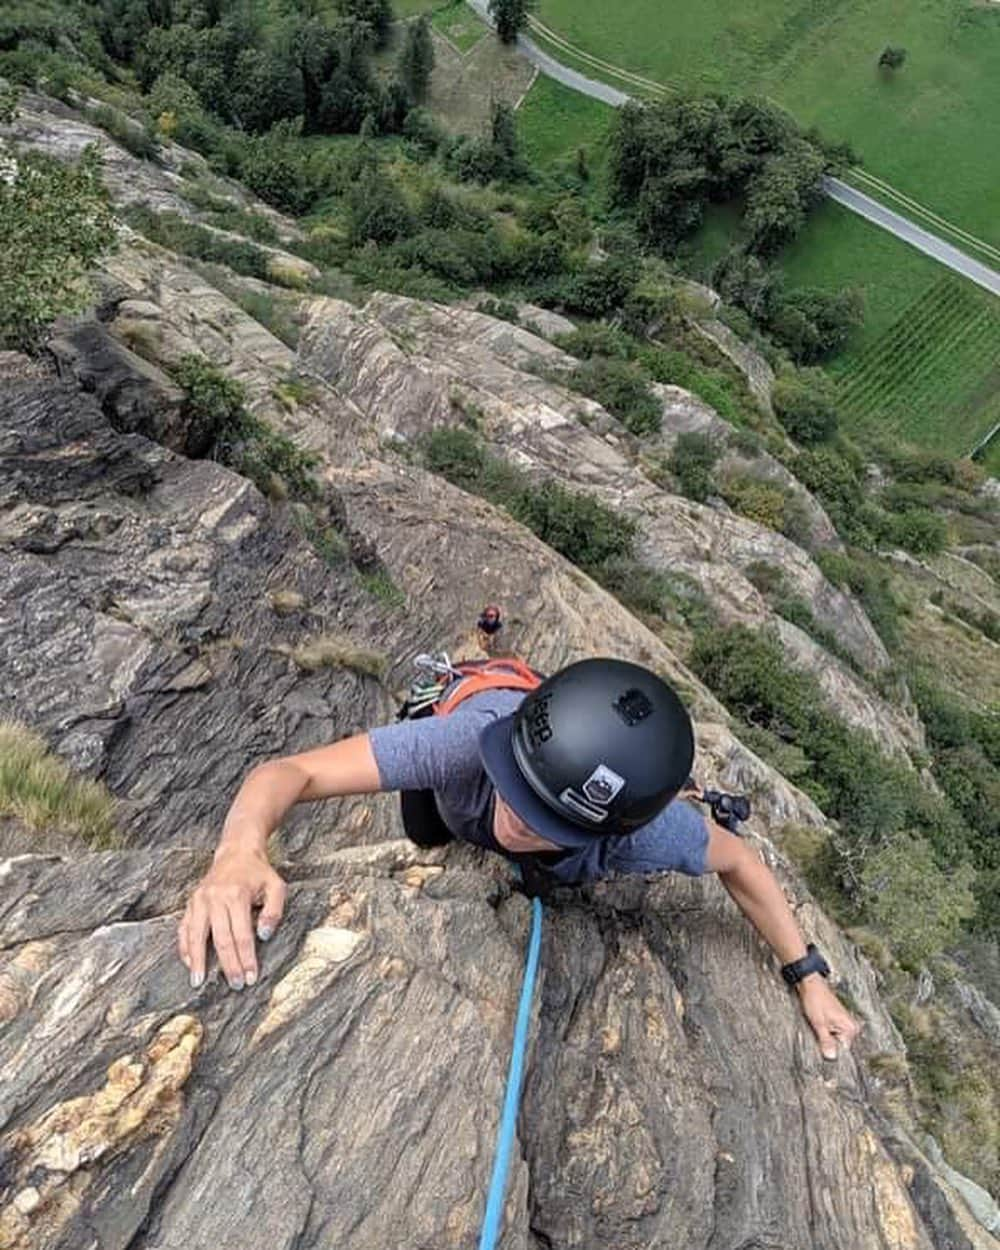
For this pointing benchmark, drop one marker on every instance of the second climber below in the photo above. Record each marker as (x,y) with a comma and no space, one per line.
(576,779)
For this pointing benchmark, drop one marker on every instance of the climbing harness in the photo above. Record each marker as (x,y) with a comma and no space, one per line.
(440,686)
(492,1220)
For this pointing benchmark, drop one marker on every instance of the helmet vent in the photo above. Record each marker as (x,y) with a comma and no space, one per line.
(633,707)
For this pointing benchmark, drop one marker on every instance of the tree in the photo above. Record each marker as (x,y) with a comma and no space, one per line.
(779,196)
(510,16)
(377,14)
(377,210)
(892,57)
(813,324)
(416,61)
(55,222)
(806,405)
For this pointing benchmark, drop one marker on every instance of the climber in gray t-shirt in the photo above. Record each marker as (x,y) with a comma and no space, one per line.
(578,778)
(441,754)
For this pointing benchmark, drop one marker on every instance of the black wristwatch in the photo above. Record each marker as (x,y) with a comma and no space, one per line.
(813,961)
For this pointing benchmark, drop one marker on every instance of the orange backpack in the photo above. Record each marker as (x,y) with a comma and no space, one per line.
(445,687)
(452,684)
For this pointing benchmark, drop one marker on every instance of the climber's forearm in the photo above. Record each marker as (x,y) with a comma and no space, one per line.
(272,789)
(755,891)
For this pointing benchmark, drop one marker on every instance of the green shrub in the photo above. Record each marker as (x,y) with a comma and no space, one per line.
(574,524)
(378,582)
(377,210)
(692,461)
(919,531)
(865,578)
(873,797)
(651,592)
(502,309)
(270,312)
(188,238)
(596,339)
(462,257)
(225,430)
(215,403)
(745,442)
(596,289)
(131,135)
(717,388)
(242,221)
(757,500)
(55,222)
(768,578)
(806,405)
(920,908)
(456,454)
(622,389)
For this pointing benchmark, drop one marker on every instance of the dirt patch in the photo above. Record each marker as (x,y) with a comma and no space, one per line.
(463,87)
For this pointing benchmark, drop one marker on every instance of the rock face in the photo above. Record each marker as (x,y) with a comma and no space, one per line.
(150,610)
(46,125)
(351,1098)
(411,367)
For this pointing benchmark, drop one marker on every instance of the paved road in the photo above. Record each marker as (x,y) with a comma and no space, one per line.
(839,191)
(904,229)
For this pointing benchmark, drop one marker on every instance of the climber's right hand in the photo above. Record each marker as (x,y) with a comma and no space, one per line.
(221,905)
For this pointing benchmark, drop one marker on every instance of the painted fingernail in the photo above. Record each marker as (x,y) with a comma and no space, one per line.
(236,983)
(196,980)
(251,978)
(264,932)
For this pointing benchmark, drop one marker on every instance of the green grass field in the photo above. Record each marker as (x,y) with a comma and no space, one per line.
(460,25)
(926,363)
(934,376)
(932,129)
(554,123)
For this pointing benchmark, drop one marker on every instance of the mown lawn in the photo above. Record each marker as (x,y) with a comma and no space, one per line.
(460,24)
(554,123)
(932,129)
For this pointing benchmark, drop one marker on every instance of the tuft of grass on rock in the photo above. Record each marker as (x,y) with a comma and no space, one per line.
(284,602)
(338,651)
(42,791)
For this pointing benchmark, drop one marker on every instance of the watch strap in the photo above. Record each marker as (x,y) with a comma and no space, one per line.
(811,962)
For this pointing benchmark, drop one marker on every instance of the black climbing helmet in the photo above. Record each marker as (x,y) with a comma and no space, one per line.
(599,748)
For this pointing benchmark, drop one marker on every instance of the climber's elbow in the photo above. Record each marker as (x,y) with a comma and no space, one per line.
(727,854)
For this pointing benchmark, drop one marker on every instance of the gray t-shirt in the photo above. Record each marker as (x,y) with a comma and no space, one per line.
(441,753)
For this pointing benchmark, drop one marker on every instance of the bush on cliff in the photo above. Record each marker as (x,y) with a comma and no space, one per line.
(216,408)
(55,223)
(574,524)
(883,808)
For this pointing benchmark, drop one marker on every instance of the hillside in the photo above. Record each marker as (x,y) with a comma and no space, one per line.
(187,599)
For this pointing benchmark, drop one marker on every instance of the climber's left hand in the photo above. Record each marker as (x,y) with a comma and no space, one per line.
(828,1018)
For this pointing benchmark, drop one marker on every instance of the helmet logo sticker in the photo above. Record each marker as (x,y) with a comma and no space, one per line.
(603,785)
(633,707)
(539,725)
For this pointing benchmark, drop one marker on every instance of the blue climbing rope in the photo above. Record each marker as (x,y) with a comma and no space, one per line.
(512,1095)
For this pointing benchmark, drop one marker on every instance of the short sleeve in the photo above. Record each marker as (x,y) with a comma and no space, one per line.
(438,752)
(675,841)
